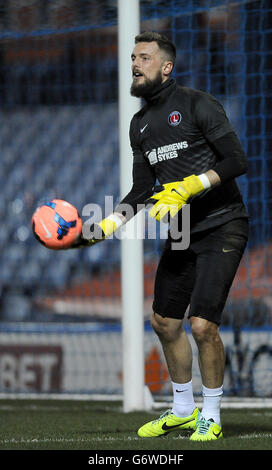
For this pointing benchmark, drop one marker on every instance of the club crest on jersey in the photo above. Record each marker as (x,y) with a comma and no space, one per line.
(174,118)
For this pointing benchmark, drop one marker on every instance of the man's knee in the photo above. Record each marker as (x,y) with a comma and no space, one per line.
(167,329)
(204,330)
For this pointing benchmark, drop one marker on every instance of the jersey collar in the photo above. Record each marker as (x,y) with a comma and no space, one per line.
(162,91)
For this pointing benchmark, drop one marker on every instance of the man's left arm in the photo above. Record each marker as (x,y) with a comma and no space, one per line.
(211,118)
(231,161)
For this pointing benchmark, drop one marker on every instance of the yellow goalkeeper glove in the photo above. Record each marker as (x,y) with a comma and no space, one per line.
(100,231)
(175,195)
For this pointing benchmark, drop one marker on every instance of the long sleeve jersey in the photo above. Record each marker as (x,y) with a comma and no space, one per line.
(181,131)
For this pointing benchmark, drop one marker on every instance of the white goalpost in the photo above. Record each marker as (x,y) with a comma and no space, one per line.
(135,394)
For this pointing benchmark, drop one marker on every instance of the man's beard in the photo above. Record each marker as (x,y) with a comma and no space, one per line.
(147,88)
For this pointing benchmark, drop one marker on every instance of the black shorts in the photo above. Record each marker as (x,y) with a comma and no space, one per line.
(201,275)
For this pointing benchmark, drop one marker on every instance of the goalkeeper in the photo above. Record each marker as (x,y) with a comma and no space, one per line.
(182,138)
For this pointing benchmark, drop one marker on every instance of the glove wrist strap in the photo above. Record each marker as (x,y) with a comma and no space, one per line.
(204,180)
(110,224)
(116,219)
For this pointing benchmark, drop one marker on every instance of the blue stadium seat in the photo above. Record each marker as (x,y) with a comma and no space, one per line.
(49,152)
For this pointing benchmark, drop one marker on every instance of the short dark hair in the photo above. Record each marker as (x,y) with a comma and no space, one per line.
(163,42)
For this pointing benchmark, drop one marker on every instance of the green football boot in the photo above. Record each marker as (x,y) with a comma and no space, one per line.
(168,422)
(206,430)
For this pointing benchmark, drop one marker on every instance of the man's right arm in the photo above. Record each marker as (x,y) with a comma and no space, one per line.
(144,178)
(142,188)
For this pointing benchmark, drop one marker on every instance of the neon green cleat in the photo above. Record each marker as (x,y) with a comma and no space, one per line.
(206,430)
(168,422)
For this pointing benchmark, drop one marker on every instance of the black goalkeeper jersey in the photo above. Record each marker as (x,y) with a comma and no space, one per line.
(180,132)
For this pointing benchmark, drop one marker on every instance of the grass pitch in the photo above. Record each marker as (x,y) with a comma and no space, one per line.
(94,426)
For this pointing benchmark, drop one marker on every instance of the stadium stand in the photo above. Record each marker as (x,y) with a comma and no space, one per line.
(59,138)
